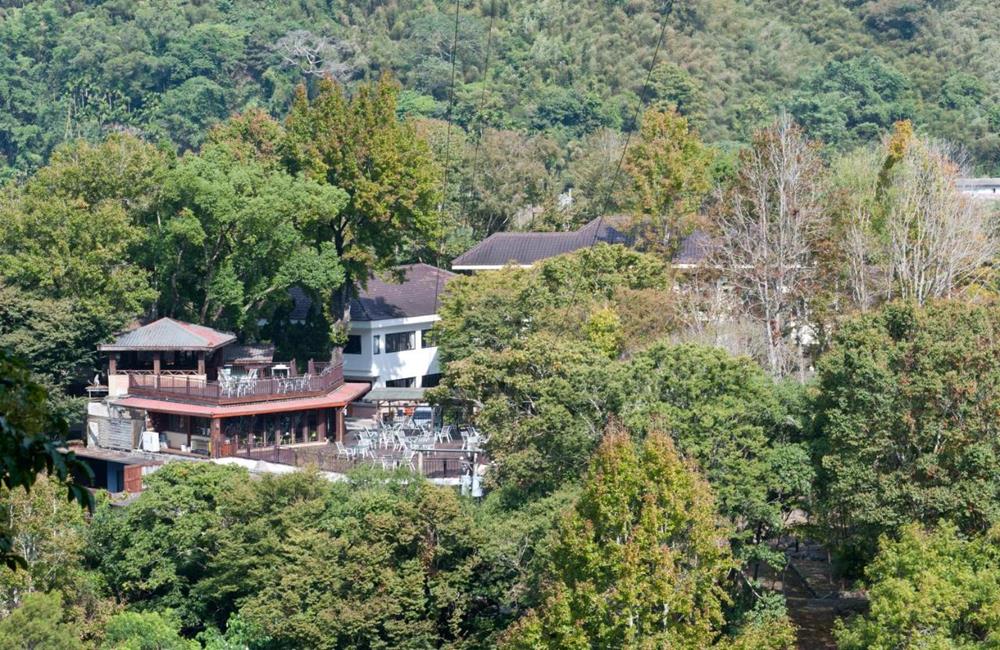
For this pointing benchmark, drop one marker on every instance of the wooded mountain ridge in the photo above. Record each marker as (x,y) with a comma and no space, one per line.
(169,69)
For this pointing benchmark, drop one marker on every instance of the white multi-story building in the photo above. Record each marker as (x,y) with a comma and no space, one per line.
(389,341)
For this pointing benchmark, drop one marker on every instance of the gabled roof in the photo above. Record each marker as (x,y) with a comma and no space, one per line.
(527,248)
(169,334)
(417,295)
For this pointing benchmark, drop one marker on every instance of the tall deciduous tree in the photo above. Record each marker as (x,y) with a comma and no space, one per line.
(73,257)
(669,167)
(640,562)
(236,238)
(937,238)
(766,222)
(359,145)
(545,404)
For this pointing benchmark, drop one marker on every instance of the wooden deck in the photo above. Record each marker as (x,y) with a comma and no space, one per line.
(187,388)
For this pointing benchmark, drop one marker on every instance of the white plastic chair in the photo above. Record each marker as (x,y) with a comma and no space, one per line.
(345,452)
(407,460)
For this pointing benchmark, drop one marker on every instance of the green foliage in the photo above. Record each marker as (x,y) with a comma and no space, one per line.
(853,101)
(638,563)
(157,550)
(31,439)
(726,414)
(236,240)
(930,588)
(72,254)
(358,144)
(495,311)
(38,623)
(297,561)
(544,404)
(669,167)
(47,533)
(904,419)
(393,565)
(171,69)
(146,631)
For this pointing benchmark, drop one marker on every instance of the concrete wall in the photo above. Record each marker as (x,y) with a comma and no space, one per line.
(395,365)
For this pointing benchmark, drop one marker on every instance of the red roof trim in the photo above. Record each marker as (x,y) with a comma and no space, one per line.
(342,396)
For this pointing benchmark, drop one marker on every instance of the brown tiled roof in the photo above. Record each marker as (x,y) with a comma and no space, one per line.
(169,334)
(527,248)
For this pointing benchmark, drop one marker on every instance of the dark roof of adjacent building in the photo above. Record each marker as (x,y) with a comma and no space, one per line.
(241,354)
(417,294)
(694,249)
(169,334)
(527,248)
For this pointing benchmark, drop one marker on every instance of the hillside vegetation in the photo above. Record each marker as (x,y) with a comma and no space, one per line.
(168,69)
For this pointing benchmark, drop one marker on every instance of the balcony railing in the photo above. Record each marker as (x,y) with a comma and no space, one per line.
(236,390)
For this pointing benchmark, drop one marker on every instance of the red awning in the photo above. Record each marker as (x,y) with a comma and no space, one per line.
(342,396)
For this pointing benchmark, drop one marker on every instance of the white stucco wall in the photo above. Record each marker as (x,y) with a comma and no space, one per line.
(395,365)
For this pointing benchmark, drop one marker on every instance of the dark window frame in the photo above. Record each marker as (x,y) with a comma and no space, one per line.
(353,344)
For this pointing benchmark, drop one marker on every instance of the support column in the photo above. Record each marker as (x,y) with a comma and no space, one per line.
(305,426)
(113,364)
(201,362)
(321,416)
(340,424)
(215,438)
(156,363)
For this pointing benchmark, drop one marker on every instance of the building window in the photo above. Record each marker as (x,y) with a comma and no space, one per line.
(377,344)
(401,383)
(430,381)
(353,345)
(399,342)
(427,339)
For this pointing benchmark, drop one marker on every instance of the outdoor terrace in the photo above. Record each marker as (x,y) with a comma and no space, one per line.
(236,389)
(449,452)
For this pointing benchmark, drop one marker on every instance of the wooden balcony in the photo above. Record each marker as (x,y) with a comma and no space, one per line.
(195,389)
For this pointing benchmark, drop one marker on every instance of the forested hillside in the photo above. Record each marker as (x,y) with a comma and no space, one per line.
(168,69)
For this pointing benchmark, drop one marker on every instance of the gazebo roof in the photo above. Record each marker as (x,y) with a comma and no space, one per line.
(169,334)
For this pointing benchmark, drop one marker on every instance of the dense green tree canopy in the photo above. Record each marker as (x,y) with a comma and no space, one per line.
(905,422)
(495,311)
(171,69)
(236,238)
(356,145)
(640,561)
(930,588)
(729,416)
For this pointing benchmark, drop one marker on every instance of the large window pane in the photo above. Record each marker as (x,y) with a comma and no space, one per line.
(400,341)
